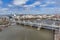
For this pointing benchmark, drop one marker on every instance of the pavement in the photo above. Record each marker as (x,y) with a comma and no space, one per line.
(16,32)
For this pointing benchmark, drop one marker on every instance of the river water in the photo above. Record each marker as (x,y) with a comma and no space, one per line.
(18,32)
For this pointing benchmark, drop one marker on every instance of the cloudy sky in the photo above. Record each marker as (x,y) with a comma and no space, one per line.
(29,6)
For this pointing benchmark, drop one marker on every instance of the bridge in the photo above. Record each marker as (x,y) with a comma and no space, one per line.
(40,25)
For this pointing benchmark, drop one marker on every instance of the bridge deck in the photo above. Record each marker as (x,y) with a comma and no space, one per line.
(39,24)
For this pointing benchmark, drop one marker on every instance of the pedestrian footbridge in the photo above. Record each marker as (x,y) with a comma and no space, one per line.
(40,25)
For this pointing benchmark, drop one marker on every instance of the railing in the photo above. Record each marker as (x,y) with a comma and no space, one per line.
(53,26)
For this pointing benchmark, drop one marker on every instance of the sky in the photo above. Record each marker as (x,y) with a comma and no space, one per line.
(29,7)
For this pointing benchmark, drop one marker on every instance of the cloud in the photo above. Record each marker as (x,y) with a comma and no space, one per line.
(3,9)
(43,11)
(57,3)
(52,2)
(33,5)
(30,5)
(1,2)
(38,3)
(19,2)
(48,3)
(44,5)
(10,5)
(30,11)
(31,8)
(50,10)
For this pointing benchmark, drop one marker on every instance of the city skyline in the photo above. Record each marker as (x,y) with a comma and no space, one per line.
(30,6)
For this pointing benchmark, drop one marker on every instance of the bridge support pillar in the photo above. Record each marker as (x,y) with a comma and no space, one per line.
(39,28)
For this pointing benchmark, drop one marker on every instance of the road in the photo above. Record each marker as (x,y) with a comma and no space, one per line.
(21,33)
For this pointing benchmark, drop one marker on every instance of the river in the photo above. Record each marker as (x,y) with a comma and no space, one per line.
(18,32)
